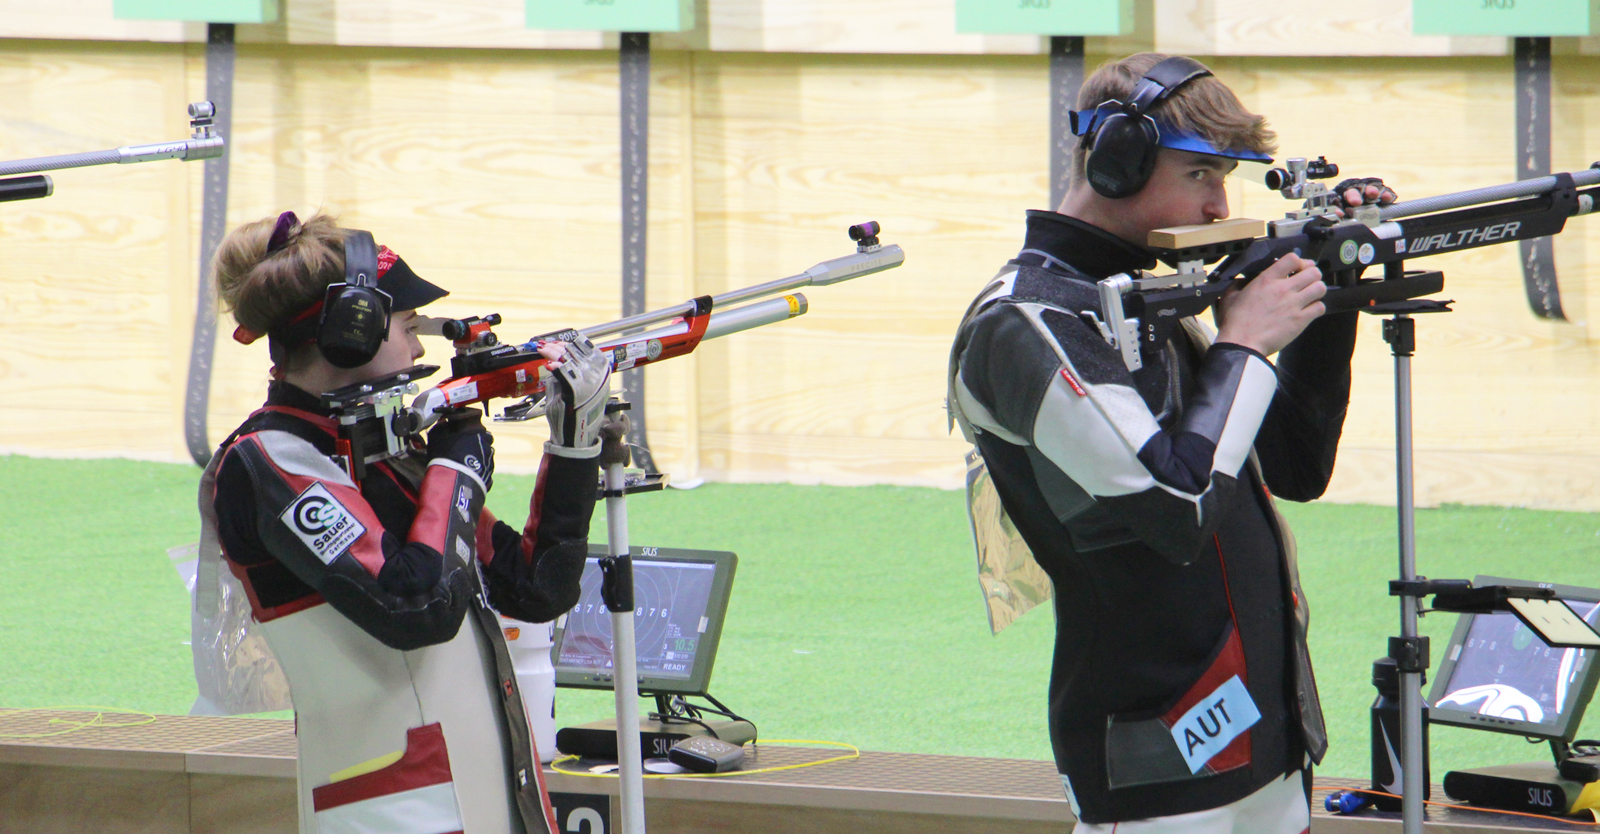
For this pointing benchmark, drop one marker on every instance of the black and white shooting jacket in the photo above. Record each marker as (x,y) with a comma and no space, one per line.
(1180,679)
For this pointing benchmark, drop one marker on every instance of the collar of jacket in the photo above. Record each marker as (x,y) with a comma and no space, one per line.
(1089,249)
(293,396)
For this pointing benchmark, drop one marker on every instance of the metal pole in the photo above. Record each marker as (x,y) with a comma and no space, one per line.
(1532,61)
(1411,752)
(634,68)
(618,569)
(1066,79)
(213,225)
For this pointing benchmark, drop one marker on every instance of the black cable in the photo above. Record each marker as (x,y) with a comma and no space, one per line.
(683,719)
(678,708)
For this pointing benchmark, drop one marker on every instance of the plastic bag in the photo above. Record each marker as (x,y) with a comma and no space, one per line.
(1012,582)
(234,668)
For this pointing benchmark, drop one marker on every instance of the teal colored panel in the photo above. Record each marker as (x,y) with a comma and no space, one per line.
(198,11)
(1509,18)
(1044,17)
(612,15)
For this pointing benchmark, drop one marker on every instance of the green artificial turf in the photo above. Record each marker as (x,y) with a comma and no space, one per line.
(855,614)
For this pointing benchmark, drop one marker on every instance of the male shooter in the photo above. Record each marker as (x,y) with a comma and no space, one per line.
(1181,693)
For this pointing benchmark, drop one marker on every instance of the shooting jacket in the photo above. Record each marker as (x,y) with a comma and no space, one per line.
(406,719)
(1180,680)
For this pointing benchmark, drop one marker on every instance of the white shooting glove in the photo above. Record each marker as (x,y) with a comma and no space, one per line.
(576,391)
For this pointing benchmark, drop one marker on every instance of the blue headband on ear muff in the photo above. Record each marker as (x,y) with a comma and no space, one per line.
(1086,122)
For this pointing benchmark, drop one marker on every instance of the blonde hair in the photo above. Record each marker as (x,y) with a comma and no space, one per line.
(265,290)
(1204,107)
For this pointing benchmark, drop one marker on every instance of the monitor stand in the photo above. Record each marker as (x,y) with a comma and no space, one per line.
(598,740)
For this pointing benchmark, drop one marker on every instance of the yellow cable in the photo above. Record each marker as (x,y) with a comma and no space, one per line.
(855,753)
(97,721)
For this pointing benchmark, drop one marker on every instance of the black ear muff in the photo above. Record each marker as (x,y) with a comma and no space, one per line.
(1123,155)
(1123,149)
(355,314)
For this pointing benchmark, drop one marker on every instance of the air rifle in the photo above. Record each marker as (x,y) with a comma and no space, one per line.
(1140,312)
(203,143)
(375,423)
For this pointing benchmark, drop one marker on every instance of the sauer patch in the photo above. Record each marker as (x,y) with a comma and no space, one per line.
(322,523)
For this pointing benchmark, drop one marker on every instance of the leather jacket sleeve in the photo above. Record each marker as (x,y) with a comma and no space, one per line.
(534,575)
(1299,438)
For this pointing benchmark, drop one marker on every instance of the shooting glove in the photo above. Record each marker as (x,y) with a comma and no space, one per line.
(577,391)
(461,437)
(1360,184)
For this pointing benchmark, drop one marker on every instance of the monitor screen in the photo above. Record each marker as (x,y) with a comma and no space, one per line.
(1498,675)
(680,598)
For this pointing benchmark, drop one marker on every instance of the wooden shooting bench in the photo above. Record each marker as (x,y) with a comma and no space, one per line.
(205,775)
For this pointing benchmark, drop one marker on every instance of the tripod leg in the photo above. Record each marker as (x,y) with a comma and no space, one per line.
(1400,333)
(617,590)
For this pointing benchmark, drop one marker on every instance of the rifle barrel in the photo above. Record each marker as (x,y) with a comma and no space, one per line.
(1488,194)
(186,149)
(827,272)
(725,321)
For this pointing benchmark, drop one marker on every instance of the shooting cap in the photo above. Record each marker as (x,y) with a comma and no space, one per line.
(404,286)
(408,291)
(1087,122)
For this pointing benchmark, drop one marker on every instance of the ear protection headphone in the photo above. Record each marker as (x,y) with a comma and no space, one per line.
(1122,148)
(355,314)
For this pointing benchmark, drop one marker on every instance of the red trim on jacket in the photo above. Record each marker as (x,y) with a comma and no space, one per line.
(435,505)
(1229,662)
(485,542)
(426,763)
(530,531)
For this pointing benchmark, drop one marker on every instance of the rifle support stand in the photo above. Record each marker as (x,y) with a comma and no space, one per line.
(616,589)
(1409,651)
(616,571)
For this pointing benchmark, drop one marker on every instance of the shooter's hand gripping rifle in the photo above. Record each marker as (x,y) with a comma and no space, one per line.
(374,426)
(1140,312)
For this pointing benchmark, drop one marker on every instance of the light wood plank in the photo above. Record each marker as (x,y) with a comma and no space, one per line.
(1236,228)
(1198,27)
(87,20)
(1351,28)
(844,26)
(495,174)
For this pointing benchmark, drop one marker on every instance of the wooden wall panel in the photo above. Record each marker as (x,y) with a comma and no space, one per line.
(1200,27)
(459,23)
(89,321)
(946,155)
(1264,27)
(1492,382)
(873,26)
(87,20)
(495,173)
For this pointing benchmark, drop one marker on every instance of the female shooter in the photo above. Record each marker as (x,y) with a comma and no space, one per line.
(405,720)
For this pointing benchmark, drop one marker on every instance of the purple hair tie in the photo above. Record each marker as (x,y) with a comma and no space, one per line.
(280,232)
